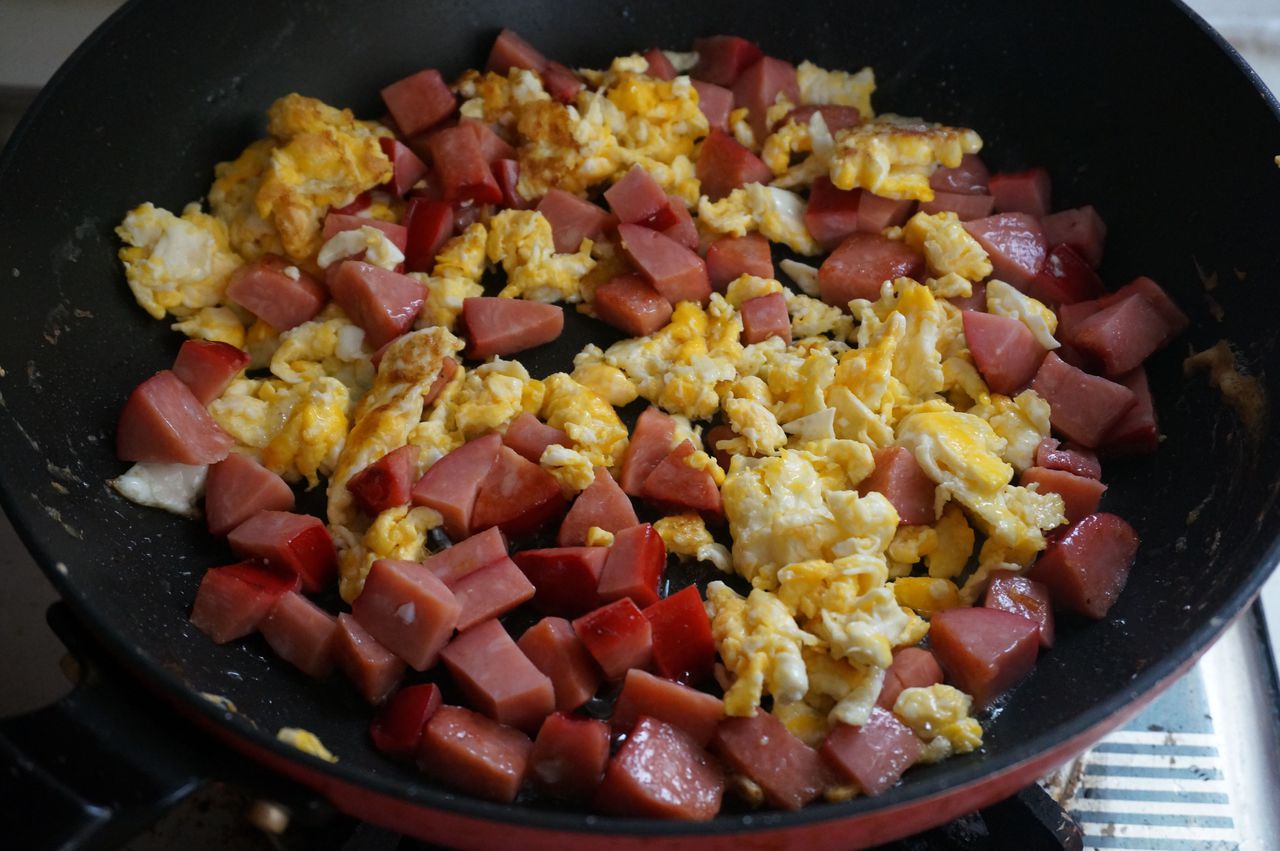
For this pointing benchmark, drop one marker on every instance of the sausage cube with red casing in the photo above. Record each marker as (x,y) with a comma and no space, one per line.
(675,271)
(629,304)
(1004,350)
(1081,228)
(1088,566)
(517,496)
(572,219)
(163,422)
(1066,278)
(617,636)
(386,483)
(831,214)
(301,633)
(634,565)
(419,101)
(382,302)
(397,727)
(408,610)
(1080,494)
(788,772)
(1016,244)
(569,756)
(555,649)
(277,292)
(460,164)
(652,440)
(876,213)
(467,556)
(497,678)
(603,505)
(983,651)
(684,231)
(1021,192)
(764,317)
(861,264)
(490,592)
(428,225)
(660,772)
(970,177)
(468,752)
(695,712)
(1019,595)
(238,487)
(660,66)
(913,667)
(759,85)
(511,51)
(530,437)
(507,173)
(208,367)
(638,199)
(1122,335)
(1136,432)
(232,600)
(715,102)
(835,116)
(407,168)
(492,146)
(451,484)
(674,484)
(684,649)
(725,164)
(723,58)
(373,668)
(966,207)
(565,578)
(903,482)
(873,755)
(294,543)
(1083,407)
(1071,458)
(336,223)
(504,326)
(731,257)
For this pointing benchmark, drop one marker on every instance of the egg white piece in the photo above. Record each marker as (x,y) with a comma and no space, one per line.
(176,488)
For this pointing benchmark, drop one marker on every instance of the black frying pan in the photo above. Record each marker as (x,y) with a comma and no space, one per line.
(1135,107)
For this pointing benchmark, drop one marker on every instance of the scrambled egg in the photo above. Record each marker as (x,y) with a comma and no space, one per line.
(820,86)
(893,157)
(776,213)
(939,714)
(521,241)
(1005,300)
(686,536)
(174,264)
(590,421)
(947,246)
(215,324)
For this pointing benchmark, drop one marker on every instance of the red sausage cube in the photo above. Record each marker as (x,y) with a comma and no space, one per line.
(629,304)
(695,712)
(605,506)
(1083,407)
(788,772)
(428,224)
(382,302)
(293,543)
(1081,228)
(638,199)
(555,650)
(162,421)
(572,219)
(408,610)
(731,257)
(208,367)
(764,317)
(467,556)
(725,164)
(1004,350)
(517,496)
(659,772)
(876,213)
(1015,243)
(913,667)
(1022,192)
(966,207)
(301,633)
(461,166)
(1087,568)
(233,600)
(617,636)
(1019,595)
(683,647)
(504,326)
(374,669)
(569,756)
(1080,494)
(397,728)
(1135,433)
(277,298)
(466,751)
(385,483)
(419,101)
(983,651)
(238,487)
(716,102)
(530,437)
(969,178)
(900,478)
(651,441)
(565,578)
(1065,279)
(723,58)
(511,51)
(497,678)
(758,87)
(451,484)
(873,755)
(831,214)
(862,263)
(676,272)
(634,565)
(490,592)
(675,484)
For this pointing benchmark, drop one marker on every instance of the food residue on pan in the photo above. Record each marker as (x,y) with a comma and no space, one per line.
(305,741)
(1242,392)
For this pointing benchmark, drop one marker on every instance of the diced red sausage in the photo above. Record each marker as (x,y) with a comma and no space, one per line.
(1019,595)
(1083,407)
(466,751)
(467,556)
(758,87)
(730,257)
(373,668)
(492,146)
(207,367)
(238,487)
(497,678)
(429,224)
(629,304)
(834,116)
(983,651)
(1071,317)
(900,478)
(913,667)
(977,301)
(635,564)
(873,755)
(569,756)
(683,647)
(716,102)
(876,213)
(530,437)
(969,178)
(1122,335)
(659,772)
(617,636)
(507,173)
(362,202)
(419,101)
(788,772)
(517,496)
(1079,494)
(448,368)
(830,215)
(723,58)
(673,270)
(862,263)
(1065,279)
(301,633)
(280,300)
(397,728)
(1015,243)
(638,199)
(490,592)
(764,317)
(450,485)
(504,326)
(406,167)
(1086,568)
(966,207)
(1071,458)
(1004,350)
(651,441)
(162,421)
(724,164)
(385,483)
(684,231)
(1155,295)
(233,600)
(382,302)
(408,610)
(336,223)
(1135,433)
(660,66)
(565,578)
(1081,228)
(1022,192)
(695,712)
(603,505)
(460,164)
(511,51)
(293,543)
(572,219)
(675,484)
(555,649)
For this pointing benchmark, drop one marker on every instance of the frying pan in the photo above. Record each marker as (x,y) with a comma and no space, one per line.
(1136,107)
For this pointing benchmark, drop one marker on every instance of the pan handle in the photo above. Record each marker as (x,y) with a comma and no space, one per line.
(98,766)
